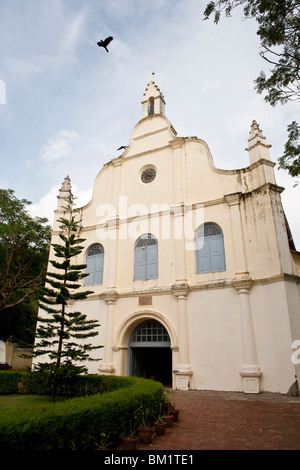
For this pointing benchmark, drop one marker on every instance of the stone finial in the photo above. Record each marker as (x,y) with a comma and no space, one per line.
(66,185)
(255,131)
(257,147)
(64,192)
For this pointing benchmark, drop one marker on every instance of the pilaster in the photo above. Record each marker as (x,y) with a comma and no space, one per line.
(184,371)
(250,370)
(113,230)
(242,282)
(176,146)
(233,201)
(179,240)
(108,366)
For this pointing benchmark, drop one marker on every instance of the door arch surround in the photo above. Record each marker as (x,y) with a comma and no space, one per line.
(149,353)
(127,328)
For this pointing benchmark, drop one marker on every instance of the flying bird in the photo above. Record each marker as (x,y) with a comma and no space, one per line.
(123,147)
(105,42)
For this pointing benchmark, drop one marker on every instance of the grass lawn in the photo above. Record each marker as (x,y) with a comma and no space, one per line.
(18,402)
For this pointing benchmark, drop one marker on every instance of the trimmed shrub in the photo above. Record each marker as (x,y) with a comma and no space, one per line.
(78,423)
(35,383)
(9,382)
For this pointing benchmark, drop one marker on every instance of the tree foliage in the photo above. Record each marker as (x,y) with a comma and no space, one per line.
(290,160)
(279,33)
(24,246)
(17,324)
(61,335)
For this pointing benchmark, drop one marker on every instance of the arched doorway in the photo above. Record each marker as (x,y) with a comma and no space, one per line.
(149,352)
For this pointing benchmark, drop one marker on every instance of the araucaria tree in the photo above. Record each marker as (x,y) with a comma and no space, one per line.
(62,333)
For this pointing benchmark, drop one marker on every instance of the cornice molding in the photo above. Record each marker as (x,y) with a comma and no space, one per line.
(240,281)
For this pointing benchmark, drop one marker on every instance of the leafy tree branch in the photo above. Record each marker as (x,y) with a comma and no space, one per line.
(279,33)
(24,246)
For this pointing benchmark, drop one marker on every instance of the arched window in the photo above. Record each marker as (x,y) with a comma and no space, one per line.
(210,251)
(150,333)
(145,258)
(94,268)
(151,106)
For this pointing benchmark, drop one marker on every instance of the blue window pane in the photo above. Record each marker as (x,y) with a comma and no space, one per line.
(144,335)
(95,263)
(146,258)
(210,253)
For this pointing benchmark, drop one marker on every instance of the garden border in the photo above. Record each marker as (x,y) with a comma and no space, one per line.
(78,423)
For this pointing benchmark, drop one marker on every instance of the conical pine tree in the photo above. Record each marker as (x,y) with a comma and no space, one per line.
(61,334)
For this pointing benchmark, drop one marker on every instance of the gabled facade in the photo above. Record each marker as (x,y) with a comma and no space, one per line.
(194,280)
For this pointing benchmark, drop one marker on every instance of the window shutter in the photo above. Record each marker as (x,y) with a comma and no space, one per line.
(94,265)
(99,261)
(203,258)
(88,280)
(140,263)
(217,253)
(211,256)
(152,262)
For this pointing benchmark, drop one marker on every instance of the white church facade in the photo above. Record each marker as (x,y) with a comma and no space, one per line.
(195,277)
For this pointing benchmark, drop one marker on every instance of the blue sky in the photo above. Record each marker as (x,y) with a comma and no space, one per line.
(69,105)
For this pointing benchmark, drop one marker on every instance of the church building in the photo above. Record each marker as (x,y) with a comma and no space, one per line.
(195,277)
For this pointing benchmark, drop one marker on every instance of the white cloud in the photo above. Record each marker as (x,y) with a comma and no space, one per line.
(21,68)
(73,32)
(46,206)
(45,40)
(59,146)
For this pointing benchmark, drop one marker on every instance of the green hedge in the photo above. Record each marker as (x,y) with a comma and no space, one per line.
(78,423)
(12,382)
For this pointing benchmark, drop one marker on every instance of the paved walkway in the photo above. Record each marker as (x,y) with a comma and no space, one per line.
(231,421)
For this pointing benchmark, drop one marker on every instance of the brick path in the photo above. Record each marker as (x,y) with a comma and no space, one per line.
(231,421)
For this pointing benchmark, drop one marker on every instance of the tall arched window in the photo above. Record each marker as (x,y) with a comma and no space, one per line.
(145,258)
(94,268)
(151,106)
(210,251)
